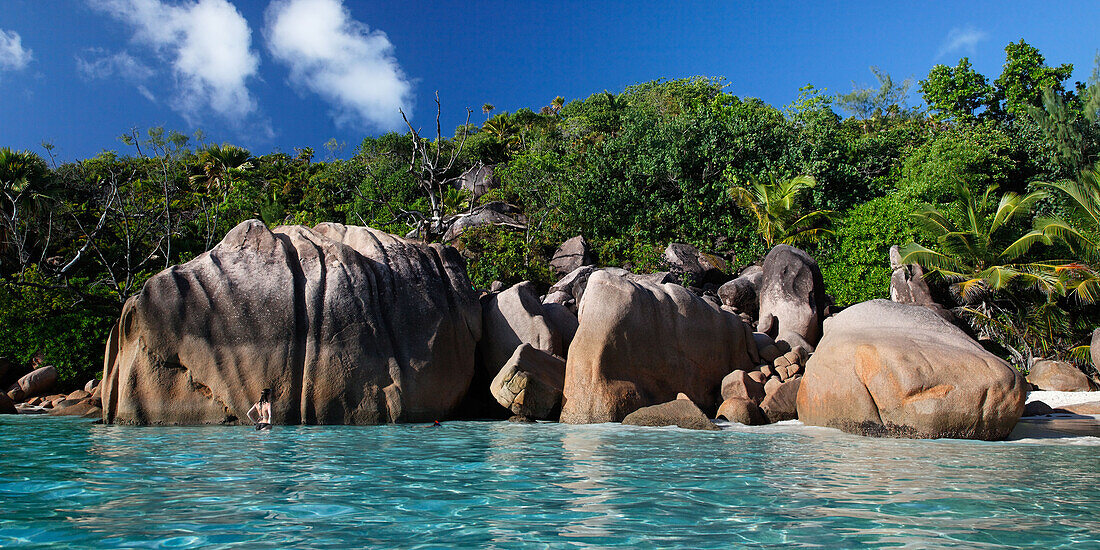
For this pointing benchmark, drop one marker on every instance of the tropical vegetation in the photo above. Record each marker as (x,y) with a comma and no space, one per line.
(989,180)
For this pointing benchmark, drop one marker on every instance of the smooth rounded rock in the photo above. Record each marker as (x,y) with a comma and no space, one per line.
(742,411)
(888,369)
(640,344)
(678,412)
(1047,375)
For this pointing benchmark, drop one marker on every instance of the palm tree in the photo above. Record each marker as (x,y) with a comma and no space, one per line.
(557,104)
(1007,301)
(220,163)
(506,131)
(22,181)
(487,108)
(774,203)
(1081,234)
(973,252)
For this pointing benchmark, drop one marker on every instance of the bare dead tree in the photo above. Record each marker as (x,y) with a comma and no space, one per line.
(431,168)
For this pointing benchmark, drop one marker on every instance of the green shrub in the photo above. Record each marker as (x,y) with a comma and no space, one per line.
(499,254)
(70,334)
(856,266)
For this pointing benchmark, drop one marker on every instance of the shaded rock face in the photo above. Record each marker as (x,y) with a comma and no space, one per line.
(347,325)
(493,214)
(640,344)
(888,369)
(781,402)
(1058,376)
(741,293)
(563,321)
(530,384)
(694,267)
(738,385)
(792,297)
(678,412)
(571,255)
(7,406)
(477,180)
(514,317)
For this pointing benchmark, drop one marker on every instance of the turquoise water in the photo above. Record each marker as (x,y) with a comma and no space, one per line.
(69,483)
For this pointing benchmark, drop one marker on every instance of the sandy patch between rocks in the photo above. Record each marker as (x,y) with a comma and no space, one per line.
(1059,398)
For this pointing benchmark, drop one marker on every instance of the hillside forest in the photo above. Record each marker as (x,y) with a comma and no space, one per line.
(990,184)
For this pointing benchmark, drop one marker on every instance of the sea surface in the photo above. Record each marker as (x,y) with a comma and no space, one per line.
(70,483)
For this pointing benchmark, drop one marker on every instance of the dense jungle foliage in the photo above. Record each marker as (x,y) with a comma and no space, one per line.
(989,182)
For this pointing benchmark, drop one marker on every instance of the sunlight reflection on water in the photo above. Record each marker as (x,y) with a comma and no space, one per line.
(512,485)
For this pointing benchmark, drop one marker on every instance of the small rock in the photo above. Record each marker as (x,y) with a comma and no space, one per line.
(38,381)
(91,385)
(571,255)
(1058,376)
(530,383)
(78,395)
(742,411)
(771,385)
(678,412)
(1037,408)
(781,373)
(780,362)
(496,286)
(740,385)
(758,376)
(781,401)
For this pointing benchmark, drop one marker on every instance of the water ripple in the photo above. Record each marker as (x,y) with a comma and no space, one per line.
(502,485)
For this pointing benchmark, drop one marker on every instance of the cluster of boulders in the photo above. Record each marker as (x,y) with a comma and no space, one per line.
(35,392)
(349,325)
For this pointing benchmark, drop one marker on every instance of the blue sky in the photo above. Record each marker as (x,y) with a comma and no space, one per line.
(274,75)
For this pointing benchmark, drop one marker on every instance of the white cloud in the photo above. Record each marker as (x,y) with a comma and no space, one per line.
(208,45)
(339,59)
(961,39)
(12,55)
(98,64)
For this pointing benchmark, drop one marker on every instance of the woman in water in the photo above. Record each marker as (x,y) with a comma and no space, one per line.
(260,413)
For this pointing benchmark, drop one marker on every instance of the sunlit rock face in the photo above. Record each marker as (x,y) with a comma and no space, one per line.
(640,344)
(347,325)
(890,369)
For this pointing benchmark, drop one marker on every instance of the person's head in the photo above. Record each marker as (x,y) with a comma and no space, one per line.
(265,396)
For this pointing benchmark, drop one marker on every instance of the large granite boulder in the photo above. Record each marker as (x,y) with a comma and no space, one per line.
(680,412)
(571,255)
(348,325)
(38,381)
(1049,375)
(889,369)
(693,267)
(792,297)
(530,384)
(640,344)
(510,318)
